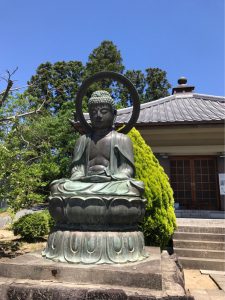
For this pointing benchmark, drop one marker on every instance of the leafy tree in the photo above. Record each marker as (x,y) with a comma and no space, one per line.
(157,84)
(151,85)
(106,57)
(160,221)
(138,80)
(35,151)
(56,83)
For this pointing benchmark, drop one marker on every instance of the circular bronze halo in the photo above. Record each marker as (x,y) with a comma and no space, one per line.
(117,77)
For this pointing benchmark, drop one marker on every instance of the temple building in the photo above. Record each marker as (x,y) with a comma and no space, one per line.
(186,133)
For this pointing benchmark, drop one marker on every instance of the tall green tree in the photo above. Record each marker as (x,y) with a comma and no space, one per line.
(137,77)
(157,84)
(105,57)
(55,83)
(58,83)
(151,85)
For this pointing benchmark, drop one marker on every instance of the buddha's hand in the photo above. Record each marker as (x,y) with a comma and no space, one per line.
(120,176)
(96,178)
(76,177)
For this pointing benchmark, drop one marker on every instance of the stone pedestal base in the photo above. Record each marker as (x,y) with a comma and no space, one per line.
(95,247)
(30,277)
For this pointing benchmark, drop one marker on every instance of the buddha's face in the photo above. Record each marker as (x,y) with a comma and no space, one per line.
(102,115)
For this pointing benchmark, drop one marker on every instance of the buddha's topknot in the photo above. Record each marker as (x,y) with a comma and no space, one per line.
(101,97)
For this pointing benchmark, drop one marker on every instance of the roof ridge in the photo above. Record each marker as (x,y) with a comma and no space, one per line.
(211,97)
(158,101)
(147,104)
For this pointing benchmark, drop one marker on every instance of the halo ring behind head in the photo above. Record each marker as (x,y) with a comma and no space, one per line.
(117,77)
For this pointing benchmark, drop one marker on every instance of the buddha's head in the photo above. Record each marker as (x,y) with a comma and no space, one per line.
(102,110)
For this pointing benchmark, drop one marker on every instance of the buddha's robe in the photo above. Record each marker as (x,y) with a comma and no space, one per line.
(113,180)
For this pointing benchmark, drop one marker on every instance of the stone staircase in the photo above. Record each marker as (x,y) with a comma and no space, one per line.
(200,243)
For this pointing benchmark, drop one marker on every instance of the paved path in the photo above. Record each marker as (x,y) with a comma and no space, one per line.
(206,284)
(219,280)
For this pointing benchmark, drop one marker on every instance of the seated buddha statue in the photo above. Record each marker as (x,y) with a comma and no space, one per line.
(103,162)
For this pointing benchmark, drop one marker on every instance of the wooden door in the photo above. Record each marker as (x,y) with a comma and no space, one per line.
(194,182)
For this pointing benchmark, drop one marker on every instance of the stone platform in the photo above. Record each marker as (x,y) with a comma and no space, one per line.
(32,277)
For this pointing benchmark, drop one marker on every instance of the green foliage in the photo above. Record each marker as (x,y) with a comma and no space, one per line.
(33,226)
(160,221)
(59,82)
(33,152)
(56,83)
(157,84)
(104,57)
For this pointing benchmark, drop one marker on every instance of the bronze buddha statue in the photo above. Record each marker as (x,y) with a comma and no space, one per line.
(98,209)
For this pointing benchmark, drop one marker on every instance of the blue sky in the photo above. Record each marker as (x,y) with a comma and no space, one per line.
(182,37)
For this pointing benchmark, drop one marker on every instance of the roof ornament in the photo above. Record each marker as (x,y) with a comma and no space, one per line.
(182,86)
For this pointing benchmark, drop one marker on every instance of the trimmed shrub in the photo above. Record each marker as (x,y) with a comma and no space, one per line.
(160,220)
(33,226)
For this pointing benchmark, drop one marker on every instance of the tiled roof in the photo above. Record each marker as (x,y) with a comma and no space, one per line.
(178,108)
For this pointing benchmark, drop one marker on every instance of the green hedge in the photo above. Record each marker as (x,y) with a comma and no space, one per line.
(33,226)
(160,220)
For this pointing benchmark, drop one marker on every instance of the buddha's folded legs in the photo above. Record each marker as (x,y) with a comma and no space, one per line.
(66,187)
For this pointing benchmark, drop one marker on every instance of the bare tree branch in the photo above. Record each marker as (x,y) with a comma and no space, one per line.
(28,143)
(16,89)
(9,85)
(6,92)
(14,117)
(33,158)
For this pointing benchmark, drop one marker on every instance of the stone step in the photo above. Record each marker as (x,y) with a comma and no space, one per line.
(196,244)
(200,229)
(12,289)
(200,214)
(218,237)
(202,253)
(202,263)
(30,276)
